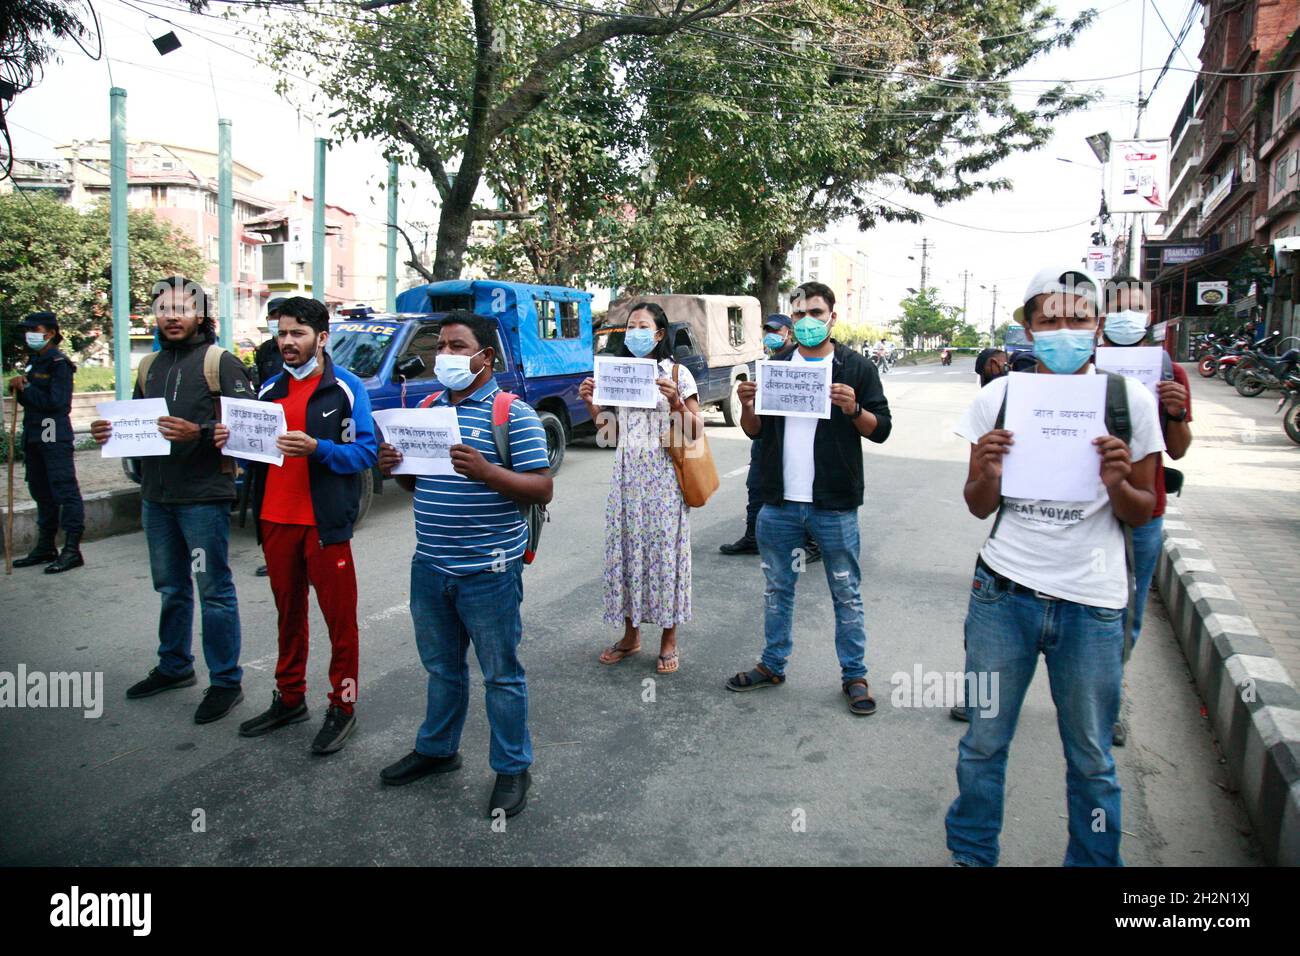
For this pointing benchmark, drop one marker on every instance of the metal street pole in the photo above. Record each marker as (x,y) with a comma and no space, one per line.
(390,291)
(318,225)
(120,270)
(226,234)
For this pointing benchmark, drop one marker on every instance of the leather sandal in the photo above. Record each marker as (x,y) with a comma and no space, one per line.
(861,702)
(613,654)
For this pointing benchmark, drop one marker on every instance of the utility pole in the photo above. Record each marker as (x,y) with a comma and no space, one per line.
(226,234)
(1134,237)
(390,267)
(318,225)
(120,274)
(993,319)
(965,281)
(925,253)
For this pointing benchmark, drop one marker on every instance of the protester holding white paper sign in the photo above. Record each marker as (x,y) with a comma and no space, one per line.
(811,479)
(304,510)
(1126,327)
(467,571)
(186,497)
(647,521)
(1052,579)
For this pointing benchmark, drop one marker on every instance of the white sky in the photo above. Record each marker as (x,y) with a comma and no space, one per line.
(172,99)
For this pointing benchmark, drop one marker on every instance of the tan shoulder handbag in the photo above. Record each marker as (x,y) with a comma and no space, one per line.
(692,460)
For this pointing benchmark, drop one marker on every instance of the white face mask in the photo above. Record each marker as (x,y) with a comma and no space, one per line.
(35,340)
(273,327)
(453,371)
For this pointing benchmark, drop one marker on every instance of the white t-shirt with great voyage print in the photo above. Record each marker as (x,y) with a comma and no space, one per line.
(1068,549)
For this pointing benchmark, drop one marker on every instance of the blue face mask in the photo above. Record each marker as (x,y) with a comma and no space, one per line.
(640,342)
(1126,328)
(773,341)
(304,370)
(35,340)
(811,332)
(1065,351)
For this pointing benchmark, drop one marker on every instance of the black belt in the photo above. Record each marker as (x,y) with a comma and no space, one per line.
(1013,586)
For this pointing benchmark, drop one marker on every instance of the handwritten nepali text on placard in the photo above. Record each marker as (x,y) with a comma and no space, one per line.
(135,428)
(794,389)
(1053,420)
(254,427)
(626,382)
(424,436)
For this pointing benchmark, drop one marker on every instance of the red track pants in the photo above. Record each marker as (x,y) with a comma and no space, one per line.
(294,559)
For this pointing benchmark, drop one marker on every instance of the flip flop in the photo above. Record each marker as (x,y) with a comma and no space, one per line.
(613,654)
(667,663)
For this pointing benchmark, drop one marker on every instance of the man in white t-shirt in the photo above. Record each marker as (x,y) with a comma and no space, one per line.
(1053,579)
(810,478)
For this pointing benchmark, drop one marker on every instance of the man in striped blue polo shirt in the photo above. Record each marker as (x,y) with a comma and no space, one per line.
(466,575)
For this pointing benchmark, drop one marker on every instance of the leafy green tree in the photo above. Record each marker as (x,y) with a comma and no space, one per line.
(927,320)
(54,258)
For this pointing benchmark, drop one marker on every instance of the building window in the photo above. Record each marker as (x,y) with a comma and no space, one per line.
(157,196)
(214,249)
(210,205)
(1279,175)
(1284,102)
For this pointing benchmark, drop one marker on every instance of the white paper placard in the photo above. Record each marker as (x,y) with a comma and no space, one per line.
(424,436)
(1143,362)
(135,428)
(254,427)
(1053,420)
(626,382)
(794,389)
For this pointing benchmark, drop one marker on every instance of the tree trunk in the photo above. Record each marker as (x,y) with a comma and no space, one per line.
(770,270)
(454,223)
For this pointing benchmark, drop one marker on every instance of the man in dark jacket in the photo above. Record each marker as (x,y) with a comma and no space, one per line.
(304,511)
(44,391)
(267,361)
(186,498)
(812,485)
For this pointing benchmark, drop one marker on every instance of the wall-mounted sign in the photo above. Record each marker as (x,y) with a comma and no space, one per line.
(1218,193)
(1139,176)
(1181,254)
(1212,293)
(1158,331)
(1098,263)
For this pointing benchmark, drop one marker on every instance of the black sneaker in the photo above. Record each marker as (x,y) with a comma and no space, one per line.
(338,725)
(216,703)
(812,552)
(415,766)
(261,571)
(510,793)
(960,712)
(157,682)
(277,715)
(746,545)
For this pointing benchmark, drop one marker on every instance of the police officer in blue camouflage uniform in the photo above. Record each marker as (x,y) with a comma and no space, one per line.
(45,392)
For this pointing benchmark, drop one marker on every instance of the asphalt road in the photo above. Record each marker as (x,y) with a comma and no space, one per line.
(687,774)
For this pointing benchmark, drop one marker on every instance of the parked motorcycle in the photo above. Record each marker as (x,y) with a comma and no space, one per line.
(1291,399)
(1238,360)
(1257,373)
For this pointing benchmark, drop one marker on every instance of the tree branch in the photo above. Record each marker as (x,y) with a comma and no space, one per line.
(507,215)
(427,154)
(414,262)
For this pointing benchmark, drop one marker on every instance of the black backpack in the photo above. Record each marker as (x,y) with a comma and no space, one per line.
(1119,424)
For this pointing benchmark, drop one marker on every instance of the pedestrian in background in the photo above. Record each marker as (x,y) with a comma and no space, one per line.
(1051,579)
(268,363)
(647,521)
(778,331)
(44,390)
(467,571)
(185,498)
(304,511)
(1126,324)
(812,484)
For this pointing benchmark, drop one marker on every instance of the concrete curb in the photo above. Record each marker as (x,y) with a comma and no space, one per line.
(107,513)
(1251,700)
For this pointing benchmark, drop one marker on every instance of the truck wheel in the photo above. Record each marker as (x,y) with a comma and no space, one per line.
(731,405)
(367,497)
(555,439)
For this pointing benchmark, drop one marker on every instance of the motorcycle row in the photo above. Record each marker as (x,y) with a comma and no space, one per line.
(1253,368)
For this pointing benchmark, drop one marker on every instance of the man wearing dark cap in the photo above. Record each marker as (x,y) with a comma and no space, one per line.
(777,332)
(990,364)
(45,392)
(266,360)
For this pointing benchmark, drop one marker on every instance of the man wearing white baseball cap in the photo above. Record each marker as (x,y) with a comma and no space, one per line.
(1052,579)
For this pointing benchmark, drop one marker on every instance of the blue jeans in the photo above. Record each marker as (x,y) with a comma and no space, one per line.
(1083,646)
(753,490)
(185,538)
(1146,551)
(782,535)
(450,613)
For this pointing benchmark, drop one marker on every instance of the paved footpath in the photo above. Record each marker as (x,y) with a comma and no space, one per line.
(1242,502)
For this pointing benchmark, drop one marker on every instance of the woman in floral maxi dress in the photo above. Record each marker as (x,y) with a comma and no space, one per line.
(647,524)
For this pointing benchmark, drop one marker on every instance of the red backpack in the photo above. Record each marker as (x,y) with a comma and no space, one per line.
(534,515)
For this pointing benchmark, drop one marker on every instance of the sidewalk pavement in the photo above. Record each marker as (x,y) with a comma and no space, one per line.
(1242,502)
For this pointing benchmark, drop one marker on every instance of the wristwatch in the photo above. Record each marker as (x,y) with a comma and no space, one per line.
(206,431)
(1180,417)
(857,413)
